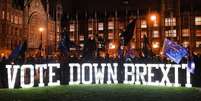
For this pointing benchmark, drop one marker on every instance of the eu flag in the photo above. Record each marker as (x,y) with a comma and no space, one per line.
(19,50)
(174,51)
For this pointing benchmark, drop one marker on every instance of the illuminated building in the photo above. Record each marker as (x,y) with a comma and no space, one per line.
(20,23)
(170,20)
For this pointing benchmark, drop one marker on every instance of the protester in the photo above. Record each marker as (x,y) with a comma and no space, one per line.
(3,72)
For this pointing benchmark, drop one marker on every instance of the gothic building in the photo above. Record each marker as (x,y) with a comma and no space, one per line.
(37,22)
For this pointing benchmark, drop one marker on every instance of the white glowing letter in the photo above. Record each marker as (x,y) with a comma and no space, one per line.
(112,74)
(84,67)
(40,67)
(165,74)
(140,74)
(99,73)
(150,74)
(72,66)
(131,73)
(176,73)
(23,76)
(51,74)
(12,78)
(188,76)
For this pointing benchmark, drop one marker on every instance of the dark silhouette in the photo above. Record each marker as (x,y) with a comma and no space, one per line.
(3,73)
(65,43)
(89,48)
(145,48)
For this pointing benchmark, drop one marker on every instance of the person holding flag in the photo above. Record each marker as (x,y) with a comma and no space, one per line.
(65,44)
(127,35)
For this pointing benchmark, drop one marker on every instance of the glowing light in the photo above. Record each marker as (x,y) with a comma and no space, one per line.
(140,75)
(112,74)
(88,73)
(40,67)
(12,79)
(165,74)
(2,54)
(188,76)
(131,73)
(23,75)
(51,74)
(99,73)
(112,46)
(176,82)
(72,66)
(84,67)
(41,29)
(151,74)
(153,17)
(155,45)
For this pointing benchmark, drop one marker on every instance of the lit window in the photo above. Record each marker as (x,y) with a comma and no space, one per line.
(72,49)
(111,25)
(72,27)
(170,21)
(171,33)
(58,38)
(58,28)
(81,45)
(3,14)
(198,32)
(155,44)
(198,44)
(121,25)
(111,36)
(90,27)
(81,38)
(8,16)
(16,20)
(90,35)
(143,33)
(186,44)
(155,24)
(100,26)
(132,45)
(101,35)
(143,24)
(155,34)
(197,20)
(185,32)
(72,37)
(100,45)
(12,18)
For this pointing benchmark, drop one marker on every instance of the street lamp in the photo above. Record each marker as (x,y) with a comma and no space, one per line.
(153,18)
(41,44)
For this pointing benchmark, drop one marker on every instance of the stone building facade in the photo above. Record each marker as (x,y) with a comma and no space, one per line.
(20,23)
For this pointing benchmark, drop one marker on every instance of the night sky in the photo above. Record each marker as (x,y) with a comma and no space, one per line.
(116,4)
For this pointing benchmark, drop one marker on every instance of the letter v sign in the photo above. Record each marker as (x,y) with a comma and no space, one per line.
(12,78)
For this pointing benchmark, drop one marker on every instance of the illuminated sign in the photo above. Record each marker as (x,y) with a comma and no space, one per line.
(100,73)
